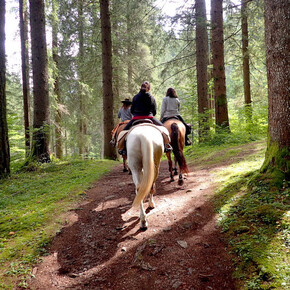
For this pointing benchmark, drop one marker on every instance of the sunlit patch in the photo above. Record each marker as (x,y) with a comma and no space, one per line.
(110,204)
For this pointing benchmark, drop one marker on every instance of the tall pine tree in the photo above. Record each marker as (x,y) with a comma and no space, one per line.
(4,142)
(277,23)
(40,146)
(201,68)
(217,46)
(108,100)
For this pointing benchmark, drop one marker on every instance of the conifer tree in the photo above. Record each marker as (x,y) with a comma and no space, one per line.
(108,101)
(40,144)
(23,16)
(217,46)
(277,23)
(4,142)
(201,68)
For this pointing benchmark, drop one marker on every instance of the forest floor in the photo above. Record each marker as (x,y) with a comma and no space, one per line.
(102,247)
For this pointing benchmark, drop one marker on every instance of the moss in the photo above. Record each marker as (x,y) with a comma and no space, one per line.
(276,158)
(269,214)
(254,218)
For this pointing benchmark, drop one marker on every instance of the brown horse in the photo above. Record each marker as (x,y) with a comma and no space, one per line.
(177,135)
(120,127)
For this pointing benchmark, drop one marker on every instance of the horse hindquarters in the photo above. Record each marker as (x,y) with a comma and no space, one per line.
(177,148)
(146,158)
(145,149)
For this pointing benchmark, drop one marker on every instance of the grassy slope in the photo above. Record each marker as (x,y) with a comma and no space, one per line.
(252,210)
(31,209)
(254,214)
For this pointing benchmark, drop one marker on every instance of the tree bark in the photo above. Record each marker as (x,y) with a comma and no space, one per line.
(129,51)
(246,61)
(56,89)
(4,142)
(108,100)
(277,23)
(40,146)
(221,107)
(82,123)
(23,15)
(201,65)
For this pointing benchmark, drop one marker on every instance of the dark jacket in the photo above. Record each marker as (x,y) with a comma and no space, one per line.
(143,104)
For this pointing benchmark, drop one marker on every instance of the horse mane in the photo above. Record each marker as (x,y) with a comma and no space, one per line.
(177,151)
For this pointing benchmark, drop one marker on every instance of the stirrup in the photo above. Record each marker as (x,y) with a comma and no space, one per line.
(188,143)
(122,151)
(167,148)
(113,142)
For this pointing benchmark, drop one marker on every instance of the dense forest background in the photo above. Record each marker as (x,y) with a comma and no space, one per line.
(61,90)
(149,45)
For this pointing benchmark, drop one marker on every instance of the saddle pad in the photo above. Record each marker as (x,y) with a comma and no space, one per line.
(123,134)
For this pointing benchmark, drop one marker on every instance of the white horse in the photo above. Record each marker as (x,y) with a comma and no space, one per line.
(144,149)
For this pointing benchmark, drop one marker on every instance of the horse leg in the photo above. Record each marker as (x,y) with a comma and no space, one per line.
(125,167)
(180,179)
(175,168)
(151,201)
(168,154)
(143,218)
(137,175)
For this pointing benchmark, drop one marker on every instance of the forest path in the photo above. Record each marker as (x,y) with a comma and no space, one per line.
(102,247)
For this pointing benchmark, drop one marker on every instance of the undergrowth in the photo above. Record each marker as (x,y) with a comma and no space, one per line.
(31,208)
(254,215)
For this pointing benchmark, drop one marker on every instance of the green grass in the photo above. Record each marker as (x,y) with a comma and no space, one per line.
(31,208)
(253,212)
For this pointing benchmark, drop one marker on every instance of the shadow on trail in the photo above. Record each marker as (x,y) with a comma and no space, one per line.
(182,248)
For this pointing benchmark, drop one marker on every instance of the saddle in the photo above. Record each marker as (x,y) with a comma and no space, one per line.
(169,118)
(142,121)
(123,134)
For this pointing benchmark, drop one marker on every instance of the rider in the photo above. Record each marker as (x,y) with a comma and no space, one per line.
(125,114)
(144,107)
(170,109)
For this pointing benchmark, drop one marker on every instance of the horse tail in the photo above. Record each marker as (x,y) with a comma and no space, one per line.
(177,150)
(148,172)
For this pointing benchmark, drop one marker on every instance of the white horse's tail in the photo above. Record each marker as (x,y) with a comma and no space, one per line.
(148,172)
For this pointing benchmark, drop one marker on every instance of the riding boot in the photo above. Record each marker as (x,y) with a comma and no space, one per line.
(167,148)
(113,142)
(187,141)
(124,150)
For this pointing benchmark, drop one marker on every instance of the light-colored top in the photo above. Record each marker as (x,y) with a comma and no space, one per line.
(170,107)
(125,114)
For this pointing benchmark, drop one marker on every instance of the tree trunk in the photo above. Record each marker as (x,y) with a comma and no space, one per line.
(23,15)
(221,106)
(116,58)
(4,142)
(82,124)
(246,66)
(108,100)
(83,140)
(129,52)
(40,146)
(55,57)
(277,23)
(201,65)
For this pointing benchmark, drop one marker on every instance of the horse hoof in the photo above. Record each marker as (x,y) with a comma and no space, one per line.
(180,181)
(143,226)
(171,180)
(125,170)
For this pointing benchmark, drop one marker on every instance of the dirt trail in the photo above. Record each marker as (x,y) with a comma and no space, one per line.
(103,248)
